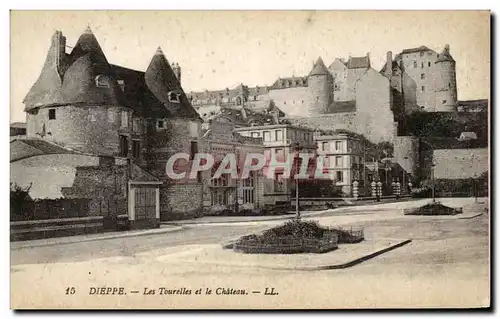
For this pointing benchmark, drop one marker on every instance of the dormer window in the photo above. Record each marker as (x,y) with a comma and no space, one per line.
(102,81)
(174,97)
(121,83)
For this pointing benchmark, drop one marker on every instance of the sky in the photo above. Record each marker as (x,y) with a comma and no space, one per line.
(220,49)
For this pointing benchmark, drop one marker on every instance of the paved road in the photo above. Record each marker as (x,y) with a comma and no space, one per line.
(129,246)
(446,265)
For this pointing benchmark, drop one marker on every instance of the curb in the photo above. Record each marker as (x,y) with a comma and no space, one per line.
(331,267)
(470,217)
(121,235)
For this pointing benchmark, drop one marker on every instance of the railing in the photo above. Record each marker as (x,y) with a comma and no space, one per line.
(288,245)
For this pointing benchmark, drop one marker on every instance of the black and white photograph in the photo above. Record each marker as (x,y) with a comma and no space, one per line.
(186,160)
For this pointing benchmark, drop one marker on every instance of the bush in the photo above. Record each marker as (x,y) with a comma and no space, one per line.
(20,201)
(296,236)
(433,209)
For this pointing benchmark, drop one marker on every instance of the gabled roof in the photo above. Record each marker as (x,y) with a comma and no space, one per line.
(413,50)
(358,62)
(24,148)
(319,68)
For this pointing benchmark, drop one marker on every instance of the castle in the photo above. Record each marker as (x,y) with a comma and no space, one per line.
(351,94)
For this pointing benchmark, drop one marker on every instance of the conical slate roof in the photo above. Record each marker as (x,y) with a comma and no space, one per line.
(161,81)
(74,81)
(445,56)
(319,68)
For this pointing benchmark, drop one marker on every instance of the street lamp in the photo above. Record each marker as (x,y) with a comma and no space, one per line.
(297,149)
(433,165)
(474,179)
(404,173)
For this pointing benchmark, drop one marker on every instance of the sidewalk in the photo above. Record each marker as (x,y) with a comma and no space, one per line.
(343,208)
(92,237)
(347,255)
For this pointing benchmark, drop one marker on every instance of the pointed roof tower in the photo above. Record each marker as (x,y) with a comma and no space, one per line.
(445,56)
(167,98)
(319,68)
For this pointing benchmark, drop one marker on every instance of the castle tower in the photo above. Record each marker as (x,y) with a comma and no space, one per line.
(319,89)
(446,84)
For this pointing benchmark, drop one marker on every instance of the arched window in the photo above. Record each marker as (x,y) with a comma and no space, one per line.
(238,100)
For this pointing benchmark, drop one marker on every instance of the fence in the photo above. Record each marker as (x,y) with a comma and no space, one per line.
(289,245)
(37,229)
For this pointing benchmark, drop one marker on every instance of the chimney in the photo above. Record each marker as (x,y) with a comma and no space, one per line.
(368,56)
(275,114)
(388,65)
(177,71)
(447,48)
(59,45)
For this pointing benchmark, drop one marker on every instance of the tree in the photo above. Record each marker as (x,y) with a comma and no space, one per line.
(19,198)
(385,149)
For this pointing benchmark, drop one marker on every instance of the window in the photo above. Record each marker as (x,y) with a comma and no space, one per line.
(255,97)
(238,100)
(423,88)
(135,125)
(279,135)
(421,53)
(422,76)
(444,101)
(338,161)
(121,83)
(222,181)
(449,85)
(123,146)
(339,177)
(422,66)
(102,81)
(429,64)
(160,124)
(284,102)
(267,136)
(124,119)
(52,114)
(279,154)
(111,116)
(278,183)
(174,97)
(248,189)
(219,197)
(193,150)
(414,64)
(255,134)
(136,149)
(324,146)
(338,145)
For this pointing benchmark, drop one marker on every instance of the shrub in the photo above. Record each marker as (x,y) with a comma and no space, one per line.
(433,209)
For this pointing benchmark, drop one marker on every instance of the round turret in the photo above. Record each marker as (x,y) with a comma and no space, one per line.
(446,85)
(319,89)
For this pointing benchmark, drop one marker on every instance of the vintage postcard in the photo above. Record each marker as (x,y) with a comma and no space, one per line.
(249,159)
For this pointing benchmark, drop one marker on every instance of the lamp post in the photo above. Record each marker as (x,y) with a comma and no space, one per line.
(404,173)
(297,149)
(474,186)
(433,165)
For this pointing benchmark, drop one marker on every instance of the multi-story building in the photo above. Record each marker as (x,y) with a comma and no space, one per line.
(85,105)
(346,156)
(224,192)
(280,141)
(425,79)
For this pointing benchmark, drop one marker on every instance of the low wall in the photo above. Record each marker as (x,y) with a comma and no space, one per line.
(38,229)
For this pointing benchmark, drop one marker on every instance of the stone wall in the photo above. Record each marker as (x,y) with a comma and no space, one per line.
(90,129)
(460,163)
